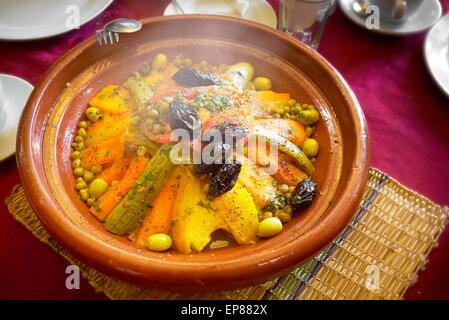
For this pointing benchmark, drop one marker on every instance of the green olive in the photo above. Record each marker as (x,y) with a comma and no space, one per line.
(262,83)
(97,187)
(88,176)
(84,194)
(159,62)
(83,124)
(76,163)
(309,131)
(96,169)
(93,114)
(159,242)
(90,202)
(308,116)
(269,227)
(79,171)
(75,155)
(310,147)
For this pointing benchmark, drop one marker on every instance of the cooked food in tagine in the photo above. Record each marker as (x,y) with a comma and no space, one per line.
(124,154)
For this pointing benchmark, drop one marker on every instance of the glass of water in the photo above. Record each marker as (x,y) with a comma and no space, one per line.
(305,19)
(2,107)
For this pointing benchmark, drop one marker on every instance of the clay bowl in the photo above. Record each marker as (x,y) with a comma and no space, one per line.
(56,106)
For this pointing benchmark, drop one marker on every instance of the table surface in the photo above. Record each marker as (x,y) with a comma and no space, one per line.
(407,118)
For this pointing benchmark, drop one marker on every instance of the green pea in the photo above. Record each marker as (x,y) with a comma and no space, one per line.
(81,185)
(96,169)
(80,179)
(159,242)
(97,187)
(80,146)
(308,116)
(84,194)
(93,114)
(310,147)
(309,131)
(157,128)
(153,113)
(283,216)
(78,139)
(89,176)
(76,163)
(267,215)
(75,155)
(291,102)
(90,202)
(269,227)
(134,121)
(83,124)
(79,172)
(82,132)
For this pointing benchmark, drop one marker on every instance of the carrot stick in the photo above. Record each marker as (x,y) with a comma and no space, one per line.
(115,193)
(103,152)
(289,129)
(286,173)
(117,169)
(158,218)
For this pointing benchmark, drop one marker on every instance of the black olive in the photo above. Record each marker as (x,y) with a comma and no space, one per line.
(190,77)
(303,194)
(224,179)
(224,151)
(233,132)
(182,116)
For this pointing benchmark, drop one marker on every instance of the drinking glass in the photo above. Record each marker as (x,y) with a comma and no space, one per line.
(2,107)
(305,19)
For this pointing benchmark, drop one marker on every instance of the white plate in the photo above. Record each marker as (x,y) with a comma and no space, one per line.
(256,10)
(15,95)
(36,19)
(422,19)
(436,53)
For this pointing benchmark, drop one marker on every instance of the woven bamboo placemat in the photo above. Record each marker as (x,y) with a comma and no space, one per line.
(377,256)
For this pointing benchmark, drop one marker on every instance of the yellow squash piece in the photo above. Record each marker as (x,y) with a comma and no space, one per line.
(111,99)
(237,209)
(194,219)
(258,183)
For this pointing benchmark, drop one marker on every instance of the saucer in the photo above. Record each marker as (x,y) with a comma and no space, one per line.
(422,19)
(436,53)
(15,95)
(255,10)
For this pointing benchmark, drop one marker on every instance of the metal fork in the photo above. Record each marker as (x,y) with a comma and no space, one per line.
(111,31)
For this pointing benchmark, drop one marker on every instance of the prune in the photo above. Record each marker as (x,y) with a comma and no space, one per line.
(194,78)
(233,132)
(181,116)
(303,194)
(224,151)
(224,179)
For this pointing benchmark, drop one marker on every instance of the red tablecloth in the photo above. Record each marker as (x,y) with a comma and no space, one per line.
(407,117)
